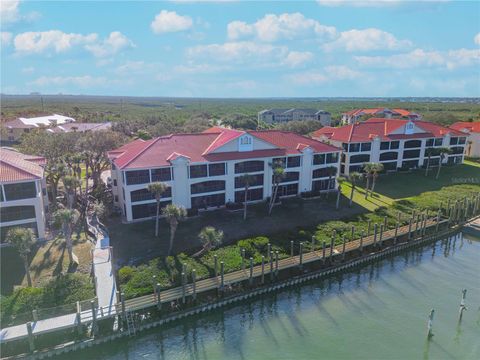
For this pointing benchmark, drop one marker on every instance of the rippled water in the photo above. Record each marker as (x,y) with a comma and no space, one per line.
(378,312)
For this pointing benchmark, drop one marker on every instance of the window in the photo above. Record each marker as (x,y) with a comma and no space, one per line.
(391,155)
(206,201)
(114,182)
(116,198)
(410,154)
(355,168)
(256,180)
(162,174)
(324,172)
(287,190)
(207,186)
(384,145)
(354,148)
(289,176)
(293,161)
(394,145)
(15,213)
(457,149)
(430,142)
(249,166)
(137,177)
(410,164)
(144,195)
(366,146)
(345,147)
(355,159)
(198,171)
(321,185)
(217,169)
(412,144)
(453,141)
(147,210)
(20,191)
(462,140)
(438,142)
(332,158)
(319,159)
(434,142)
(389,166)
(252,195)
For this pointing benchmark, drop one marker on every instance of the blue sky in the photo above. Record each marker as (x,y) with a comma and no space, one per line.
(241,48)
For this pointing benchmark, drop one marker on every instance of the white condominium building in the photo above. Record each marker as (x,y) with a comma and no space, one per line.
(204,171)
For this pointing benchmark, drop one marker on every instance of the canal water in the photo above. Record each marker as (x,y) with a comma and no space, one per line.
(377,312)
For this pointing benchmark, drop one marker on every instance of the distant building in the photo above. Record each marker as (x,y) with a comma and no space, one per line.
(271,116)
(205,171)
(472,130)
(396,143)
(80,127)
(352,116)
(16,128)
(23,194)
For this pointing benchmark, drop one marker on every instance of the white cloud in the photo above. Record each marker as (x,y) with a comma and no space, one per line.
(367,40)
(56,40)
(111,45)
(359,3)
(476,39)
(85,81)
(200,68)
(273,27)
(169,21)
(28,70)
(420,58)
(298,58)
(5,38)
(9,11)
(329,74)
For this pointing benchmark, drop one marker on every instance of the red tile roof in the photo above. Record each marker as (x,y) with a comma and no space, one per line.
(382,128)
(466,127)
(376,111)
(200,148)
(15,166)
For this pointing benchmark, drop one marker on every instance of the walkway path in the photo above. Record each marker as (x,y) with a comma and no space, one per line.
(106,285)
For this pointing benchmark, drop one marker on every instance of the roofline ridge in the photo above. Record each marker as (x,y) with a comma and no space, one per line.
(23,170)
(141,152)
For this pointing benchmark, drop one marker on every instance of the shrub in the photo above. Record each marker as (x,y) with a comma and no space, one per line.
(125,274)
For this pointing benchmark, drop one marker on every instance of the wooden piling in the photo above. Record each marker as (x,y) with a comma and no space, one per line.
(332,243)
(215,260)
(291,248)
(369,228)
(79,318)
(243,259)
(380,240)
(410,228)
(343,247)
(323,252)
(35,315)
(158,300)
(31,341)
(183,287)
(271,265)
(352,236)
(396,233)
(263,269)
(301,255)
(194,284)
(361,240)
(122,299)
(375,231)
(313,243)
(276,263)
(222,270)
(251,271)
(94,317)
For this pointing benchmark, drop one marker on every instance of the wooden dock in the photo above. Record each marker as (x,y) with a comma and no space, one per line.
(177,294)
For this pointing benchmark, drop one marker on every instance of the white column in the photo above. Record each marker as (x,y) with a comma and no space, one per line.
(375,151)
(267,180)
(230,182)
(400,154)
(305,181)
(181,188)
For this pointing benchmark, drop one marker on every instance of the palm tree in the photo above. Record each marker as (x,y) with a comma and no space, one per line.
(378,168)
(443,153)
(210,238)
(429,152)
(331,171)
(368,169)
(157,189)
(278,175)
(354,177)
(247,179)
(22,239)
(339,192)
(70,183)
(67,218)
(173,214)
